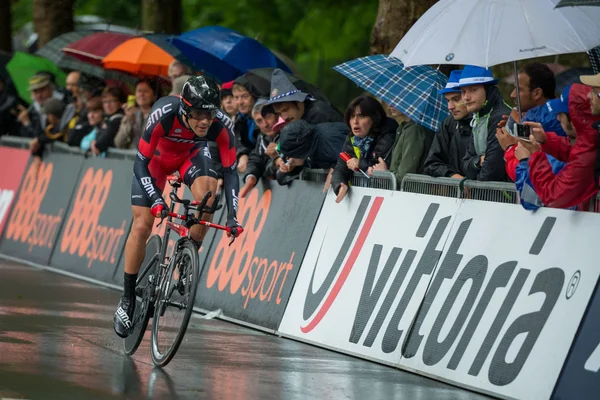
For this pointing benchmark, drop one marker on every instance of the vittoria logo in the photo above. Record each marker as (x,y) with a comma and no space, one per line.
(504,284)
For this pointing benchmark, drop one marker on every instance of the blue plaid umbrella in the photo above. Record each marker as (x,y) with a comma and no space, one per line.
(412,90)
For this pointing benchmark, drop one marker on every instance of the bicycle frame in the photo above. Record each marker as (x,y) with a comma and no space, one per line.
(188,218)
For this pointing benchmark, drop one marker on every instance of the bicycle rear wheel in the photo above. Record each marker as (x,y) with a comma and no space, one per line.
(173,307)
(144,293)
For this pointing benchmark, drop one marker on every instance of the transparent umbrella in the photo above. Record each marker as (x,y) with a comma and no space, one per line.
(491,32)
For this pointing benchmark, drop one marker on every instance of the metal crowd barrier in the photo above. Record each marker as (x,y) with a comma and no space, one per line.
(380,179)
(14,141)
(60,147)
(499,192)
(121,154)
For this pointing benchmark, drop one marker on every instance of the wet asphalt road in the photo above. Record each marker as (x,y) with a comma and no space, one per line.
(57,342)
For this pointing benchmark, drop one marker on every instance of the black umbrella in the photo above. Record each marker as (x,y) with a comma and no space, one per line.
(260,78)
(577,3)
(4,76)
(164,42)
(53,52)
(570,76)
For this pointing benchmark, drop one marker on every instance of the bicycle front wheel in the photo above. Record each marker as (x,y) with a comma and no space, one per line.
(144,292)
(173,307)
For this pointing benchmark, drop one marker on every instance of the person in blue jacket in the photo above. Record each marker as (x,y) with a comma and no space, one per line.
(547,115)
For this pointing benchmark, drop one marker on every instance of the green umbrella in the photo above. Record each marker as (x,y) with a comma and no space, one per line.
(23,66)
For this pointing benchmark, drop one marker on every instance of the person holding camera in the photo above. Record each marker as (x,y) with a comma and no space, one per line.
(575,184)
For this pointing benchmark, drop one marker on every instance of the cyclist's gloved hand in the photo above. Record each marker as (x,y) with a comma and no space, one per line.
(159,209)
(236,228)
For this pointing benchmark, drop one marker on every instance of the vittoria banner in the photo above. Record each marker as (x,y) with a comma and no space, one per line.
(484,295)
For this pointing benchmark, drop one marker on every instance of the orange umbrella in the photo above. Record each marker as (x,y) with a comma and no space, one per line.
(139,56)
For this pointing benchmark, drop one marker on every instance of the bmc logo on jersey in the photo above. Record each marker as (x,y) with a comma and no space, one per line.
(148,186)
(158,113)
(225,120)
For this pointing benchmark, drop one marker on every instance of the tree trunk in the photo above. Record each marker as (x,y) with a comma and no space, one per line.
(161,16)
(52,18)
(5,26)
(394,19)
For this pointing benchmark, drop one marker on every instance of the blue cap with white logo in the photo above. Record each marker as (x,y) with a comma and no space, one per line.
(561,104)
(452,85)
(474,75)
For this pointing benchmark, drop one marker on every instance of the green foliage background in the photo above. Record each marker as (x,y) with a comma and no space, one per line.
(315,34)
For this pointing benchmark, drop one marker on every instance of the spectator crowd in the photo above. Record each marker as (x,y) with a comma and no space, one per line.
(554,164)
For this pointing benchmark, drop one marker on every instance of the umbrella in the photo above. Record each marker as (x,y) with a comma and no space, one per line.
(260,78)
(577,3)
(23,66)
(52,51)
(93,48)
(491,32)
(4,59)
(451,32)
(411,90)
(164,42)
(139,56)
(225,54)
(571,76)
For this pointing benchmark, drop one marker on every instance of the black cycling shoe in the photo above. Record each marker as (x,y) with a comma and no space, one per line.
(123,319)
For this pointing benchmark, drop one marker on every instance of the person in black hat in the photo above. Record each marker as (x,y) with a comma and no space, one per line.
(313,146)
(292,104)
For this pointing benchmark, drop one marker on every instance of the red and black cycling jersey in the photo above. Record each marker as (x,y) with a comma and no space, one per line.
(165,130)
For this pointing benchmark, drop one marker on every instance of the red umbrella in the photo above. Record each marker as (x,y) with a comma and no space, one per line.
(95,47)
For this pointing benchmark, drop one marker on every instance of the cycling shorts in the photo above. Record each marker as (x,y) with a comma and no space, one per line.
(191,165)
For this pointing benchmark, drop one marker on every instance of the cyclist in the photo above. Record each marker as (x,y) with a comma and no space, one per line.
(176,139)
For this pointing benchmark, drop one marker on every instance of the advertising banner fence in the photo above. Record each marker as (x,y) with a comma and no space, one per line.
(477,294)
(10,178)
(580,378)
(98,220)
(40,208)
(252,279)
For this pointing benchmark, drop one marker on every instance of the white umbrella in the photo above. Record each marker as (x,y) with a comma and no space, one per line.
(491,32)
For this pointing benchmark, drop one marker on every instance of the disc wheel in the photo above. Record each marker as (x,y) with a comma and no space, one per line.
(174,304)
(144,295)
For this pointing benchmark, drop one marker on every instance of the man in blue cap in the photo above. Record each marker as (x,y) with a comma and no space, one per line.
(484,160)
(451,142)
